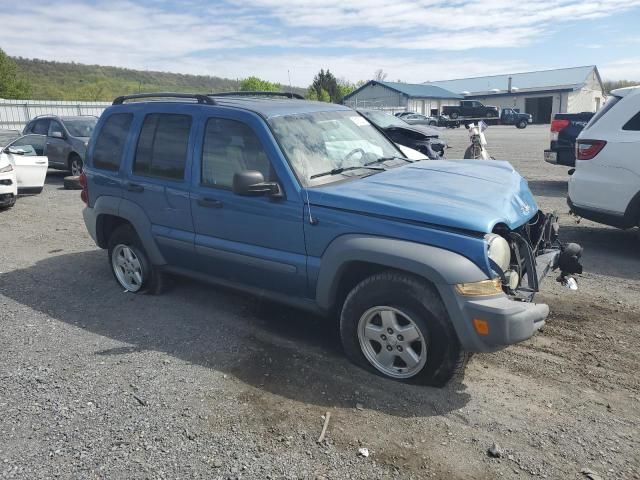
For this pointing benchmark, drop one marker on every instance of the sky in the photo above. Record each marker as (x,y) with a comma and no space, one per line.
(411,40)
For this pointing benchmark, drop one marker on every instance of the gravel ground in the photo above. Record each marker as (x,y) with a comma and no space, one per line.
(207,383)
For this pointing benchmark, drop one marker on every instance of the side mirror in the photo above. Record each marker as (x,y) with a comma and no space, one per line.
(251,182)
(57,135)
(15,151)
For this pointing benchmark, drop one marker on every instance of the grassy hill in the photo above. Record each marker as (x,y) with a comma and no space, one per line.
(74,81)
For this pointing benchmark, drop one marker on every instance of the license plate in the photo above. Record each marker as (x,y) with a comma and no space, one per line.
(550,157)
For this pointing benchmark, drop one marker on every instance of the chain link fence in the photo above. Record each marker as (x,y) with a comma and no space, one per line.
(14,114)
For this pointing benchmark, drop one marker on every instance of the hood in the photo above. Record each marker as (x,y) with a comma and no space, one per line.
(464,194)
(423,129)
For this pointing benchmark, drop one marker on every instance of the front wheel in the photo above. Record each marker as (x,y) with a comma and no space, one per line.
(433,124)
(521,124)
(454,115)
(130,264)
(395,325)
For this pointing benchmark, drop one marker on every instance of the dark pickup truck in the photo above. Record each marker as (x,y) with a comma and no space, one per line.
(565,128)
(470,109)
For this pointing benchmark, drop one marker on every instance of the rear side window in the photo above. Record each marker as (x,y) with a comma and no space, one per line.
(162,146)
(633,124)
(111,140)
(605,108)
(41,127)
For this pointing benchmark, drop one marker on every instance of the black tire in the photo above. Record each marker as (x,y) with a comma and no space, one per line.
(72,183)
(454,115)
(433,124)
(416,298)
(75,164)
(521,124)
(8,205)
(472,152)
(152,278)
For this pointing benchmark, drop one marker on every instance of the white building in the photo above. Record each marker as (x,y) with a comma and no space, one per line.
(542,94)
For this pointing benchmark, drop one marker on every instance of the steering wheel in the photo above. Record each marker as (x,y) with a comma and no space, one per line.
(353,152)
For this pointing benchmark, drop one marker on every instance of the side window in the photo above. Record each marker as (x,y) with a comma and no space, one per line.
(163,145)
(229,147)
(633,124)
(55,127)
(110,142)
(31,145)
(41,127)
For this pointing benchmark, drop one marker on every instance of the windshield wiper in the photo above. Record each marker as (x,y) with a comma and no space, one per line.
(386,159)
(337,171)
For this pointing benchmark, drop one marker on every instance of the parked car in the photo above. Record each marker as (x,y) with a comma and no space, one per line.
(444,121)
(417,137)
(309,204)
(605,186)
(417,119)
(23,168)
(67,139)
(470,109)
(565,128)
(508,116)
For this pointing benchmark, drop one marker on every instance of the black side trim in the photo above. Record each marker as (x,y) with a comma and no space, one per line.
(620,221)
(302,303)
(246,259)
(30,190)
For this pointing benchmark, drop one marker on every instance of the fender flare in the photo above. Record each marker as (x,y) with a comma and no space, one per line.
(134,214)
(437,265)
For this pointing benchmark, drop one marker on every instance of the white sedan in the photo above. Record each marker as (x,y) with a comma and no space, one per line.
(23,168)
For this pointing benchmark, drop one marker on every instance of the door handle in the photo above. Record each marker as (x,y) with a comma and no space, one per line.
(134,187)
(41,163)
(209,203)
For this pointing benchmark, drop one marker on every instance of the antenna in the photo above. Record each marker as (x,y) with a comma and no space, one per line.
(312,221)
(290,87)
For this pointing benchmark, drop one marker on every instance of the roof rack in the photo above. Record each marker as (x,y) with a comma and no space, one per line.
(204,99)
(259,94)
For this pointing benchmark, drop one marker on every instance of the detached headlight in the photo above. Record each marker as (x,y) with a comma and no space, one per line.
(498,250)
(6,169)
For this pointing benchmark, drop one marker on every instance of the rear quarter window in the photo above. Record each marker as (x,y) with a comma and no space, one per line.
(107,154)
(633,123)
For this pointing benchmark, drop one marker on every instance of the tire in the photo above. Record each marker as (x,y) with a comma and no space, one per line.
(433,124)
(122,242)
(492,114)
(75,165)
(8,205)
(419,312)
(72,183)
(472,152)
(521,124)
(454,115)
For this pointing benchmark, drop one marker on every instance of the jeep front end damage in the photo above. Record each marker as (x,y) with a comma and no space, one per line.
(533,251)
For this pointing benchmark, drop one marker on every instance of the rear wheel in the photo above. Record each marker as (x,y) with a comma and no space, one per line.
(130,264)
(454,115)
(395,325)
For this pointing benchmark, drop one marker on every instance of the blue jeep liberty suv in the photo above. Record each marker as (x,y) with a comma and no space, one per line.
(422,262)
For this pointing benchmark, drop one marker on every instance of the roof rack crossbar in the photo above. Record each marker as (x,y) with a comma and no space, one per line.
(259,94)
(204,99)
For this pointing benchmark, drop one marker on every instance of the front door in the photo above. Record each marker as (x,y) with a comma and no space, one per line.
(58,148)
(26,154)
(254,241)
(158,181)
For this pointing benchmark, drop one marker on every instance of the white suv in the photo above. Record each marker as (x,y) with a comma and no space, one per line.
(605,186)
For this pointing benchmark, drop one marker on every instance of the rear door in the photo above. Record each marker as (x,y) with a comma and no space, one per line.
(58,148)
(158,179)
(27,156)
(256,241)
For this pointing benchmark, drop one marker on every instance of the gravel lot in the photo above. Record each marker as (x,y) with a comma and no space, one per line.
(207,383)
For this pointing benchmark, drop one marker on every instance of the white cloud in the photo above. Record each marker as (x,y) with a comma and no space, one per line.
(625,69)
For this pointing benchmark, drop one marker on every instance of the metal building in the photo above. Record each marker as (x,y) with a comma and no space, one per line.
(396,97)
(542,93)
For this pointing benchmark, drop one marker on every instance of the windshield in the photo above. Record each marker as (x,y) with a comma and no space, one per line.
(318,143)
(383,120)
(81,127)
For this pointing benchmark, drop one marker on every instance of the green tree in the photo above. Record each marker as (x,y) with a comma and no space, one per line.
(326,81)
(255,84)
(12,83)
(613,84)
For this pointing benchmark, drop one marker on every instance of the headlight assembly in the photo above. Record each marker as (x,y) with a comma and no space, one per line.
(498,250)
